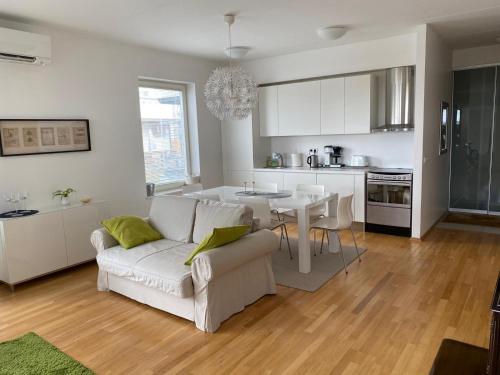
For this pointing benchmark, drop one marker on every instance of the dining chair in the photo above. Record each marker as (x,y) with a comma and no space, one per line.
(186,189)
(270,187)
(315,212)
(342,221)
(262,212)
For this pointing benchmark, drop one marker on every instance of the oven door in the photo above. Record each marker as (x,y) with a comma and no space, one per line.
(388,193)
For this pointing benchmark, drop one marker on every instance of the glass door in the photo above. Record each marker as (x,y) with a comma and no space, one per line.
(473,106)
(495,157)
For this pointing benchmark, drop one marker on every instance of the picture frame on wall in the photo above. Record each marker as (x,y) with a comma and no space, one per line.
(443,127)
(43,136)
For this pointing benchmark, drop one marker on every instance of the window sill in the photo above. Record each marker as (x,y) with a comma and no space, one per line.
(175,191)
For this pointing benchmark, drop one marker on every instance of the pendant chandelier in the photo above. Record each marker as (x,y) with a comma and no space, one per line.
(230,92)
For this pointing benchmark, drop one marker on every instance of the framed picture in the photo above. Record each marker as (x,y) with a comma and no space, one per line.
(443,128)
(29,137)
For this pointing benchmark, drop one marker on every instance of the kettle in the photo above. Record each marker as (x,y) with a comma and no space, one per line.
(312,159)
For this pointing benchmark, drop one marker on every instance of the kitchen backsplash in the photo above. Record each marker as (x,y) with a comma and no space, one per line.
(388,150)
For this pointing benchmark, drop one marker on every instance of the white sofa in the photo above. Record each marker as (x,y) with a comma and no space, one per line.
(218,284)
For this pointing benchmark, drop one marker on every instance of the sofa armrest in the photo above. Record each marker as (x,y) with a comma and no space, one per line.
(210,264)
(102,240)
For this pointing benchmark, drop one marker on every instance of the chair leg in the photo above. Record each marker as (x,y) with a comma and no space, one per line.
(322,240)
(341,252)
(355,244)
(288,242)
(281,236)
(314,239)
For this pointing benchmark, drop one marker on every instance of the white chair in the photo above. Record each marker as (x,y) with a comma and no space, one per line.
(262,211)
(186,189)
(270,187)
(212,197)
(336,224)
(315,212)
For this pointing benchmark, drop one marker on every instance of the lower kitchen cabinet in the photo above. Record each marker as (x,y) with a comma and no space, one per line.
(359,197)
(291,180)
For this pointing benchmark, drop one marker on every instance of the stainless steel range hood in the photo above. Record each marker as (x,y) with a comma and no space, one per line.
(399,99)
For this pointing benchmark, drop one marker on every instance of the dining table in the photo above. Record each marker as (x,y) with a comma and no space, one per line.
(302,202)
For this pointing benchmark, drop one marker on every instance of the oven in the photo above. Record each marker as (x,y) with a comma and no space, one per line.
(389,201)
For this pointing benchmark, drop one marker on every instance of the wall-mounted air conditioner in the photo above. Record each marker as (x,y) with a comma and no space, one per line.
(24,47)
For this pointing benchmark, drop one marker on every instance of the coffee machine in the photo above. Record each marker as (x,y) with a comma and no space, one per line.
(333,156)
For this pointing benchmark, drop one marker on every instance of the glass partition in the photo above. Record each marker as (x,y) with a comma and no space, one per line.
(473,105)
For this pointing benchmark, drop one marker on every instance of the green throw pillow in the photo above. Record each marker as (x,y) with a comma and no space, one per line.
(218,237)
(131,231)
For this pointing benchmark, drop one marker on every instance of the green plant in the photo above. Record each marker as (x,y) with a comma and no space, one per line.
(63,193)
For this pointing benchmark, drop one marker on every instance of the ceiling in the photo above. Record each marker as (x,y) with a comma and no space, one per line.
(270,27)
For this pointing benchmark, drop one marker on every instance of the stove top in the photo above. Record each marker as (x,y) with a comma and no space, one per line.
(391,171)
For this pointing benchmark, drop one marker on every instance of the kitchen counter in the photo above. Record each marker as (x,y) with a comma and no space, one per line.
(344,170)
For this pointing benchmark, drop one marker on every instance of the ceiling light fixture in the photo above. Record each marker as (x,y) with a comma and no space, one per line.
(230,92)
(331,32)
(237,52)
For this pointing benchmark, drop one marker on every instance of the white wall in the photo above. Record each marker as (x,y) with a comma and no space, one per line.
(388,150)
(97,79)
(384,150)
(369,55)
(469,57)
(431,171)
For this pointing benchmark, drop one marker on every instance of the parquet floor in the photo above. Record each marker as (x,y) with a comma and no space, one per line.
(388,316)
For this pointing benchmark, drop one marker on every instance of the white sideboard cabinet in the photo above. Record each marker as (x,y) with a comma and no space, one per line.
(51,240)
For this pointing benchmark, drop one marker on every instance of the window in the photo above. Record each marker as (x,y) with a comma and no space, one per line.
(164,133)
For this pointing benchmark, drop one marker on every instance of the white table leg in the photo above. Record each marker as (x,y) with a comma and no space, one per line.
(304,242)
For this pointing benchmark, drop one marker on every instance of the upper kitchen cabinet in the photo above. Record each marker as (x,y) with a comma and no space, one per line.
(268,111)
(332,106)
(299,108)
(360,104)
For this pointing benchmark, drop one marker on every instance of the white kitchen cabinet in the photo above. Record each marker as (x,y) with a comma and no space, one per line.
(291,180)
(268,111)
(332,106)
(360,104)
(299,108)
(48,241)
(274,177)
(238,178)
(359,197)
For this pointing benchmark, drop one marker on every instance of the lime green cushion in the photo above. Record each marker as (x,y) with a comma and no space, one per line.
(131,231)
(218,237)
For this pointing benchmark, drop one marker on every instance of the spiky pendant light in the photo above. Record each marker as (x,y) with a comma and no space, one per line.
(230,92)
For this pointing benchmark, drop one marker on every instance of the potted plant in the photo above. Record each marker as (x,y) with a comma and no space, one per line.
(64,194)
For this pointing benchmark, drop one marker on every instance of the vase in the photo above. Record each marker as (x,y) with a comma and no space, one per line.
(65,201)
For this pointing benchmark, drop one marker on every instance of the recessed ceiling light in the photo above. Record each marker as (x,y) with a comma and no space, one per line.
(331,32)
(237,52)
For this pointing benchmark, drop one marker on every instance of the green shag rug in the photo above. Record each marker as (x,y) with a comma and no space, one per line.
(30,355)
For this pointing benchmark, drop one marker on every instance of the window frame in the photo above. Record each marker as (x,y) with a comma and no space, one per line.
(166,85)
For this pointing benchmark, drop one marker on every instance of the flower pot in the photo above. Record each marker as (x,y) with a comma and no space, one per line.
(65,201)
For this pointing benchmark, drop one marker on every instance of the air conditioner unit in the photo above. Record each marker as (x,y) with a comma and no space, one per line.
(24,47)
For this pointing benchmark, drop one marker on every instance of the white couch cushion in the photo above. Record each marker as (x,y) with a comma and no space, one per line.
(173,217)
(158,264)
(166,271)
(121,262)
(211,214)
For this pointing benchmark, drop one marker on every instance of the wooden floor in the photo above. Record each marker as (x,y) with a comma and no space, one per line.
(388,316)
